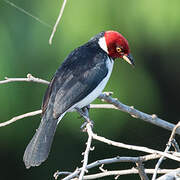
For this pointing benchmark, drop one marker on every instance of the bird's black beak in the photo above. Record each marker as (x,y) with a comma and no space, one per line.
(129,59)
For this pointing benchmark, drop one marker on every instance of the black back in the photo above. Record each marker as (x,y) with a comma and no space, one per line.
(79,74)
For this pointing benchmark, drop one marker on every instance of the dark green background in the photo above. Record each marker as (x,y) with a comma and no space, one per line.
(153,31)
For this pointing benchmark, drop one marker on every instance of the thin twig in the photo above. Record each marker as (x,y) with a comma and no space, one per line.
(86,154)
(115,105)
(14,119)
(168,146)
(175,145)
(57,21)
(153,119)
(117,159)
(132,147)
(74,174)
(57,174)
(172,175)
(85,114)
(141,170)
(175,153)
(103,106)
(34,113)
(173,132)
(121,145)
(123,172)
(30,78)
(159,162)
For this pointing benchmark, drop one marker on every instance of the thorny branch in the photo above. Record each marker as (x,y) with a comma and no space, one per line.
(113,104)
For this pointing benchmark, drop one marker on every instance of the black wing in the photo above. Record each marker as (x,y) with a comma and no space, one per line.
(79,75)
(47,96)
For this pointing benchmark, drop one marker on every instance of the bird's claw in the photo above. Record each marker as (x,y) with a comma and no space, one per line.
(84,112)
(86,108)
(83,126)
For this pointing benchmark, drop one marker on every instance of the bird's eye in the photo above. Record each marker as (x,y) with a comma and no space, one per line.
(118,49)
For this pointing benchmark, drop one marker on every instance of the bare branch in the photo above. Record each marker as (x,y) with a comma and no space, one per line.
(166,150)
(132,147)
(110,161)
(117,144)
(34,113)
(57,174)
(57,21)
(153,119)
(29,78)
(86,153)
(175,153)
(172,175)
(173,133)
(175,145)
(85,113)
(14,119)
(141,170)
(102,106)
(115,104)
(123,172)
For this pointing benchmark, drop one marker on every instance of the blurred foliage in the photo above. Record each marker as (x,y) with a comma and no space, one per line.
(152,29)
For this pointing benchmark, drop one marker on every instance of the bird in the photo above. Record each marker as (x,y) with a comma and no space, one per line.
(78,81)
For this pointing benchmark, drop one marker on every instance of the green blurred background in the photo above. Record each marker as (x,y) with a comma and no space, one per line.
(153,31)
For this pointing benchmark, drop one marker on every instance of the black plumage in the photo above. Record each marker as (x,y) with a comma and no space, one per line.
(78,76)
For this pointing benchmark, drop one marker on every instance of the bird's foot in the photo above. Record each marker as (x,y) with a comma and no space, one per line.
(84,112)
(83,126)
(86,108)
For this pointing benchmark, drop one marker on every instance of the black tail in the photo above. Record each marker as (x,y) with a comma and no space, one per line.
(38,149)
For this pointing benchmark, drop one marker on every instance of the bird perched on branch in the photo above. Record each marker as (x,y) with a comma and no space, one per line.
(79,80)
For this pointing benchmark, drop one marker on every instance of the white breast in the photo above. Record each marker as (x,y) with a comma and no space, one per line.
(98,90)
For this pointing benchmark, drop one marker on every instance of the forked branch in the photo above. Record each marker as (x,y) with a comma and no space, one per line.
(117,105)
